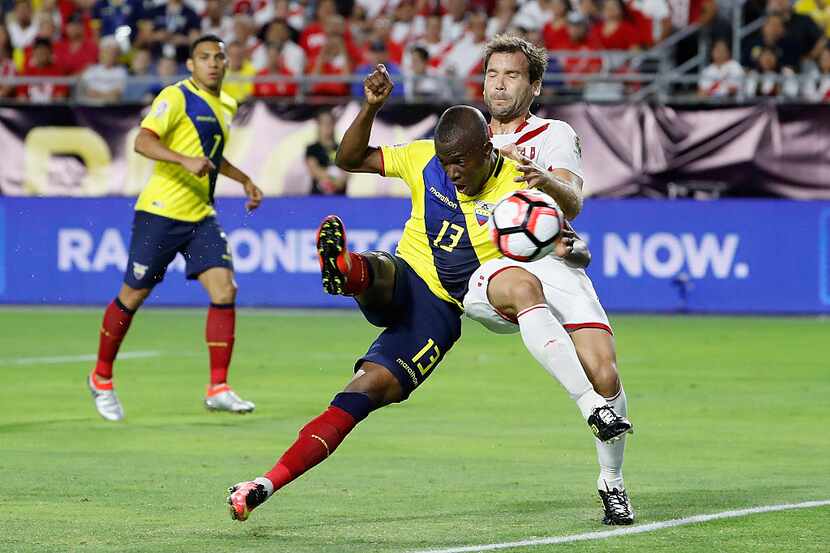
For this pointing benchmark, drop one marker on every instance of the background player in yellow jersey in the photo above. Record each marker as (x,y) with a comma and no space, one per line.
(414,295)
(185,133)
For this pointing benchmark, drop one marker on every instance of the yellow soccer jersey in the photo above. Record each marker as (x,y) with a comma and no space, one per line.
(446,237)
(192,122)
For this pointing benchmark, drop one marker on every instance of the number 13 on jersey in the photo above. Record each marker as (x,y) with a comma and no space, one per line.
(457,231)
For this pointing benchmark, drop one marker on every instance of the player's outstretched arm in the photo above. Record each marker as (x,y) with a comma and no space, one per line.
(355,154)
(252,191)
(148,144)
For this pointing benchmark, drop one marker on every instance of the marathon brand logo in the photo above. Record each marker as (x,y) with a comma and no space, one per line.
(442,198)
(409,371)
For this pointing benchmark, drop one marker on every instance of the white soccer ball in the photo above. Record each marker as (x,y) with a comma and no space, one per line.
(525,224)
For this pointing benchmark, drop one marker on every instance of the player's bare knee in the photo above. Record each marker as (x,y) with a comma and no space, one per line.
(132,298)
(377,382)
(382,288)
(603,375)
(527,292)
(383,268)
(224,292)
(514,291)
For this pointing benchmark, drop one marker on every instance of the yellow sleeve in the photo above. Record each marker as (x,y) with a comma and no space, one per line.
(230,103)
(165,112)
(406,161)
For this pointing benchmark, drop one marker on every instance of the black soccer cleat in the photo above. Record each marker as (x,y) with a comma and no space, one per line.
(331,246)
(607,425)
(618,510)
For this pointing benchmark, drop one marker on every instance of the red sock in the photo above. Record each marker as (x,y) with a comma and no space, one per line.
(357,277)
(219,334)
(318,439)
(117,319)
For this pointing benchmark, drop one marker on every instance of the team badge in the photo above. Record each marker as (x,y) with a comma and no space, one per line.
(139,270)
(482,211)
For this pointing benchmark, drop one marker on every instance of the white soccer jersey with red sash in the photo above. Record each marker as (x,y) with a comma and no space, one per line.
(551,143)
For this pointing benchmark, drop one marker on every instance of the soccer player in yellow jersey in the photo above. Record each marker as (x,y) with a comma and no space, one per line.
(415,295)
(185,133)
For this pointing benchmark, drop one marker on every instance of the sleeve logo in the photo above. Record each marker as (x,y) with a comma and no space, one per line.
(160,109)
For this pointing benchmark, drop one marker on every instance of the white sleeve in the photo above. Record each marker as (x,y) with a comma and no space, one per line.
(562,149)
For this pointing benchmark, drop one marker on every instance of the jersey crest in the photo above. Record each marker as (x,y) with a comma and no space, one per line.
(482,211)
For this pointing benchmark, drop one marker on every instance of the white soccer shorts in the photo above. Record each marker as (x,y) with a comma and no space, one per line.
(568,292)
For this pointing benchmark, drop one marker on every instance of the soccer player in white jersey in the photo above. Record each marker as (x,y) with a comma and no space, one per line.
(550,301)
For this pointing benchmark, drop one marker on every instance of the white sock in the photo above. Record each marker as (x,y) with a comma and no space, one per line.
(549,343)
(610,456)
(269,487)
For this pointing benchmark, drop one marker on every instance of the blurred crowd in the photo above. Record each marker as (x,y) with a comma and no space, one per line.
(788,57)
(422,42)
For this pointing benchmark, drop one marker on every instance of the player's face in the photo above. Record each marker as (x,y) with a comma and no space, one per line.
(208,64)
(508,91)
(468,170)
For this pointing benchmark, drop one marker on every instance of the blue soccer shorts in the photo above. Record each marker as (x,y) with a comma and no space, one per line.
(420,329)
(156,240)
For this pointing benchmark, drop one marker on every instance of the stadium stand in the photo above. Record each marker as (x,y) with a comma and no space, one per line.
(284,50)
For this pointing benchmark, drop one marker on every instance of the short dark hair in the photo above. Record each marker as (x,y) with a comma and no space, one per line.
(201,39)
(537,57)
(462,125)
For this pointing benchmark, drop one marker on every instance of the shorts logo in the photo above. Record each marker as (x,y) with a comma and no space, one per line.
(139,270)
(409,370)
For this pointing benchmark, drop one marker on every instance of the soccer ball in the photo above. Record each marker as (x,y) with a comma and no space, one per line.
(524,225)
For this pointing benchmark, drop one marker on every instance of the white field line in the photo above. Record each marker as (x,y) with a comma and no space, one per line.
(74,358)
(642,529)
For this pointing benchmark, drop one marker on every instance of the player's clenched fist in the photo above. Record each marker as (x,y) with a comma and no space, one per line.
(378,85)
(254,195)
(199,166)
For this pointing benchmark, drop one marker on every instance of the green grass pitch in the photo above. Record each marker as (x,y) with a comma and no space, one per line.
(729,413)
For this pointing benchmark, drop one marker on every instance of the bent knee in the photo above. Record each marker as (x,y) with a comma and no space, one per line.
(514,291)
(132,298)
(377,382)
